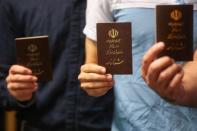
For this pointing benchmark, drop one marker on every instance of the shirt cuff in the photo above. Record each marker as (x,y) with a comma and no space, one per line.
(26,104)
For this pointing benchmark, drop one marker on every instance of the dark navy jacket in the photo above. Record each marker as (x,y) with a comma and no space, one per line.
(59,105)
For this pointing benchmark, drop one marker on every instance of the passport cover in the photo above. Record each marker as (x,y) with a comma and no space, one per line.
(174,26)
(33,52)
(114,47)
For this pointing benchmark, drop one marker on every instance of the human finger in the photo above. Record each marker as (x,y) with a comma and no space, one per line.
(168,74)
(96,85)
(88,77)
(23,95)
(150,56)
(22,86)
(21,78)
(18,69)
(98,92)
(157,67)
(93,68)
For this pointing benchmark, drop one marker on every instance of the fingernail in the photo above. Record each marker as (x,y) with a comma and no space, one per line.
(35,78)
(161,44)
(29,71)
(109,76)
(103,70)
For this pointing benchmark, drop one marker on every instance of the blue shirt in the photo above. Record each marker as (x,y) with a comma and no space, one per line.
(59,105)
(137,107)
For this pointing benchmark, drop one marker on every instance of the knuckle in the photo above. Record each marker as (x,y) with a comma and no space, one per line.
(9,87)
(7,79)
(163,76)
(152,68)
(12,67)
(90,85)
(86,86)
(144,60)
(177,67)
(83,68)
(16,86)
(171,87)
(84,76)
(79,76)
(168,59)
(15,77)
(82,86)
(30,78)
(87,76)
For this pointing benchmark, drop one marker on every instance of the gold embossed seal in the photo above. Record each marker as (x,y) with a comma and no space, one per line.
(113,33)
(176,14)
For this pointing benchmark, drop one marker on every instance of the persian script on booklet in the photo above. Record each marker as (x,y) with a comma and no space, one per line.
(33,53)
(114,47)
(174,27)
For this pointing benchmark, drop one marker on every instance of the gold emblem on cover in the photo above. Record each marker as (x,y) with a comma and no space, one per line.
(32,48)
(176,14)
(113,33)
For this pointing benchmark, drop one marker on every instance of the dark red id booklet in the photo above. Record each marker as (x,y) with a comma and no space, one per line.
(33,52)
(174,26)
(114,47)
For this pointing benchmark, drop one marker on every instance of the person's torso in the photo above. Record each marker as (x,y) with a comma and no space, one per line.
(137,107)
(60,104)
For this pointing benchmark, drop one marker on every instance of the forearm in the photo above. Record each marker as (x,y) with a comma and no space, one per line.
(91,51)
(93,77)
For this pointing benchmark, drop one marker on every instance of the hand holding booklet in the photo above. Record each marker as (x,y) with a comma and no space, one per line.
(33,53)
(114,47)
(174,27)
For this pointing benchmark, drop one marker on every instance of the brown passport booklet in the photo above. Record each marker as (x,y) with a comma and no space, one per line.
(33,52)
(114,47)
(174,26)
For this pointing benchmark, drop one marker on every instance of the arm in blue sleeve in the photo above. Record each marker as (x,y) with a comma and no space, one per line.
(8,32)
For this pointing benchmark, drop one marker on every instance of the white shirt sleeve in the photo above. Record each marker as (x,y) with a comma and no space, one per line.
(98,11)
